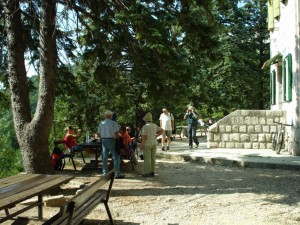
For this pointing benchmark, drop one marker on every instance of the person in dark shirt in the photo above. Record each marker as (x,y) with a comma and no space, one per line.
(191,117)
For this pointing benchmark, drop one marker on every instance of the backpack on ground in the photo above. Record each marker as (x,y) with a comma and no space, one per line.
(57,159)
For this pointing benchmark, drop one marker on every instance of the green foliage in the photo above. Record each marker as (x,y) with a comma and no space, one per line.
(143,56)
(138,56)
(10,162)
(233,76)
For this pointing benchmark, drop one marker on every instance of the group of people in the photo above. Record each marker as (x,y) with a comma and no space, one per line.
(109,132)
(201,122)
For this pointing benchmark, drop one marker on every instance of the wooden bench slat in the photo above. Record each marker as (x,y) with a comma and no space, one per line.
(55,220)
(81,197)
(80,212)
(78,207)
(87,207)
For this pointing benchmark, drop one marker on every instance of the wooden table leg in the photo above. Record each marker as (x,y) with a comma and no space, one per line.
(96,158)
(40,206)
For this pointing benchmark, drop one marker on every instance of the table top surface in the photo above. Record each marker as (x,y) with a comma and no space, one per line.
(18,188)
(92,144)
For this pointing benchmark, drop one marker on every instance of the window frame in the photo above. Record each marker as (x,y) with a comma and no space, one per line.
(287,78)
(273,87)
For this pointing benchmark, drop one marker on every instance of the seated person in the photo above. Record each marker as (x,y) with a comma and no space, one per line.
(132,134)
(125,136)
(127,142)
(201,121)
(210,121)
(130,131)
(70,139)
(95,137)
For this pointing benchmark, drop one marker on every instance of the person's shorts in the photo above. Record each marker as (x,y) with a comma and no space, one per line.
(167,133)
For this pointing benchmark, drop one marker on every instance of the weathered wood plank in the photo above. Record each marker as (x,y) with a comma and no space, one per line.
(78,207)
(45,183)
(20,185)
(13,179)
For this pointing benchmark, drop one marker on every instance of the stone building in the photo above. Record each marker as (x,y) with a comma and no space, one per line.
(283,25)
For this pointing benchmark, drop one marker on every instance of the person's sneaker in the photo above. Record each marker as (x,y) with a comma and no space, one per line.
(191,146)
(168,148)
(197,145)
(163,148)
(119,177)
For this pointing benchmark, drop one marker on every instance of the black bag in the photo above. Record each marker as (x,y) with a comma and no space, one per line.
(119,144)
(174,130)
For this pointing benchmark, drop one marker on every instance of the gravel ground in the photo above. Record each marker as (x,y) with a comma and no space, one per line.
(184,193)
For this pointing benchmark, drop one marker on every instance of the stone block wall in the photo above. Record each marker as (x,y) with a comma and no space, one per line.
(249,129)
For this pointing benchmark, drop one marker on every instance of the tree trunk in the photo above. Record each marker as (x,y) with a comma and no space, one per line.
(32,132)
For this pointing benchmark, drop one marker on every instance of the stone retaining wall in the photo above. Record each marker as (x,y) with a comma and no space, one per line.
(249,129)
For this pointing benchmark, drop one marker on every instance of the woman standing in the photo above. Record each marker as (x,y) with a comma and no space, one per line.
(150,132)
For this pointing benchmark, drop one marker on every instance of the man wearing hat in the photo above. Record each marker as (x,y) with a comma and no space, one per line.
(191,117)
(108,130)
(166,120)
(150,132)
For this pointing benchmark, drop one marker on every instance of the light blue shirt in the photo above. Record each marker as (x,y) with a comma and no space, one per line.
(107,128)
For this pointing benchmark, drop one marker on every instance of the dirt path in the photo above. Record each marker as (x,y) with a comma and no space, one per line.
(192,194)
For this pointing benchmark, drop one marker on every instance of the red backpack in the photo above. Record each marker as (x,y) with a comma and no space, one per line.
(57,159)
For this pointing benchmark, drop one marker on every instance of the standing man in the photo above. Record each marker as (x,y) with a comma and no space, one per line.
(108,130)
(191,117)
(167,123)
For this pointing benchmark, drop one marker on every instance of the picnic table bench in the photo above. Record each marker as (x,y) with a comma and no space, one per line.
(79,206)
(18,188)
(182,131)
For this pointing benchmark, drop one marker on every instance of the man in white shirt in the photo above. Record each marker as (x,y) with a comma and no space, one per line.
(108,130)
(167,123)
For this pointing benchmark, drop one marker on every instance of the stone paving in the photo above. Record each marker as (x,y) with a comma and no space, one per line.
(259,158)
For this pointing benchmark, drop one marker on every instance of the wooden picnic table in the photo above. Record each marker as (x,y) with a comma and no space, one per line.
(96,146)
(182,131)
(18,188)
